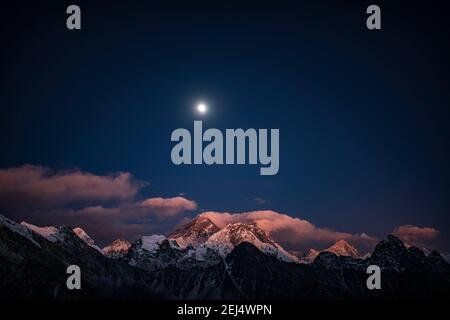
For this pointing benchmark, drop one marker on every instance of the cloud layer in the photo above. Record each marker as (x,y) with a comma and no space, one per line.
(293,233)
(38,186)
(106,206)
(416,236)
(169,206)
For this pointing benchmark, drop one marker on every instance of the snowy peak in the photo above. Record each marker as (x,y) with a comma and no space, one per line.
(235,233)
(194,233)
(119,248)
(155,242)
(157,252)
(201,234)
(86,238)
(343,248)
(49,233)
(54,234)
(152,245)
(225,240)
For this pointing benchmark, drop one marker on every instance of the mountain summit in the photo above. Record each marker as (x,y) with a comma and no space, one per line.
(119,248)
(194,233)
(203,235)
(54,234)
(340,248)
(343,248)
(233,234)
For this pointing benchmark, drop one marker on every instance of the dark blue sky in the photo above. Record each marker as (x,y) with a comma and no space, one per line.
(363,116)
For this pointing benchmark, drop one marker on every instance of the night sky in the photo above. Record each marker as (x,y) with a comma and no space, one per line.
(363,115)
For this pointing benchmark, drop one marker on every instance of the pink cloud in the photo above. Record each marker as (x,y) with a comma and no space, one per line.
(107,207)
(164,207)
(38,186)
(129,220)
(416,236)
(294,233)
(104,205)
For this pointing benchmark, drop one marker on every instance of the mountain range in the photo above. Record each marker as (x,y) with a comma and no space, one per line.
(199,260)
(340,248)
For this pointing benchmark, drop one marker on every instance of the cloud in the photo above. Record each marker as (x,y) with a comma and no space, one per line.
(416,236)
(128,220)
(293,233)
(169,206)
(34,187)
(106,206)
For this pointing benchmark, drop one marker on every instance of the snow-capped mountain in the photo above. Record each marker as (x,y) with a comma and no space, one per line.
(340,248)
(157,252)
(86,238)
(33,266)
(53,234)
(194,233)
(117,249)
(185,273)
(200,242)
(343,248)
(50,233)
(232,235)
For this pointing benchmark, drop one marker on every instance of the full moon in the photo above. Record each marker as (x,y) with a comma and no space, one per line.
(201,107)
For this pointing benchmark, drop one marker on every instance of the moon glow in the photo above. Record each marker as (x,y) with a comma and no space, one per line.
(202,108)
